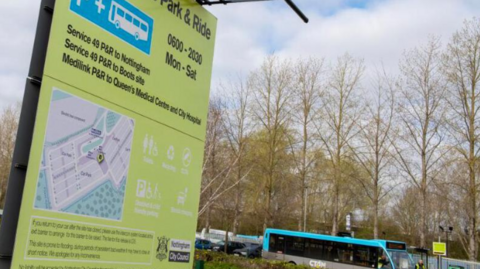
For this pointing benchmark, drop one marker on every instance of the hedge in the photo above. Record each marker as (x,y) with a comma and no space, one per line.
(219,260)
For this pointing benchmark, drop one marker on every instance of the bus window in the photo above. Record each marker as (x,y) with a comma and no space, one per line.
(128,17)
(112,13)
(136,23)
(365,256)
(120,12)
(277,243)
(345,252)
(401,260)
(314,249)
(143,27)
(330,252)
(295,246)
(383,261)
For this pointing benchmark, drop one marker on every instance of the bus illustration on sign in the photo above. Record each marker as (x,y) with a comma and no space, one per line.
(120,18)
(124,19)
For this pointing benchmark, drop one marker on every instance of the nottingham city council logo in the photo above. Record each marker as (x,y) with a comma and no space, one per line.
(162,248)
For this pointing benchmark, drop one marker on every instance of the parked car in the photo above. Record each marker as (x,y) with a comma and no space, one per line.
(203,244)
(231,246)
(252,251)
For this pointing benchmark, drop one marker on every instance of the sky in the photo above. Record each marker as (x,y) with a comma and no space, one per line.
(378,31)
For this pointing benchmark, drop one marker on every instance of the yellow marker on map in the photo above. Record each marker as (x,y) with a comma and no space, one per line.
(100,158)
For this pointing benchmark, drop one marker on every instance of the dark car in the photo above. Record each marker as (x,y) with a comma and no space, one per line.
(251,251)
(203,244)
(231,246)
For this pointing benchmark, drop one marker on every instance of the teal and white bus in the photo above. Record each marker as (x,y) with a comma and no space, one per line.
(325,251)
(398,253)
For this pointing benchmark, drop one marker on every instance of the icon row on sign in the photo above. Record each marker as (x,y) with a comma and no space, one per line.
(150,148)
(151,191)
(148,190)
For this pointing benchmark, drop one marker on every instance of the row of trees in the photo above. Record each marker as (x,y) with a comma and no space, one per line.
(300,144)
(8,132)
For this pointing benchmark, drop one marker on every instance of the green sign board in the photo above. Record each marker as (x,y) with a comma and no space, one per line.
(439,248)
(115,166)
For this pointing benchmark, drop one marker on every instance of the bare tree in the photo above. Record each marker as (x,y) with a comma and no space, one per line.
(405,213)
(272,93)
(307,91)
(462,68)
(422,119)
(237,129)
(336,125)
(8,134)
(211,167)
(374,148)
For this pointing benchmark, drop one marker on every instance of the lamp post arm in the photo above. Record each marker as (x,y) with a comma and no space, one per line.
(225,2)
(297,10)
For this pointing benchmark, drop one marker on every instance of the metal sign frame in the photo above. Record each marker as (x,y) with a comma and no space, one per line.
(18,170)
(225,2)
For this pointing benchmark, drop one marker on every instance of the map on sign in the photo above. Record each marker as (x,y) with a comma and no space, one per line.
(85,158)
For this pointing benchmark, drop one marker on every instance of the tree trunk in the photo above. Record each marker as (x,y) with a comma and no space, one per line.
(267,210)
(304,170)
(236,213)
(472,242)
(207,220)
(336,198)
(375,213)
(335,211)
(423,184)
(303,220)
(423,220)
(472,246)
(473,190)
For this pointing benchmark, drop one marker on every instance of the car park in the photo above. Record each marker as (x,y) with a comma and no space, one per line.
(231,246)
(252,251)
(203,244)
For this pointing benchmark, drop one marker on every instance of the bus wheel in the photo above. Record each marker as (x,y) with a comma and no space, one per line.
(137,36)
(117,24)
(292,262)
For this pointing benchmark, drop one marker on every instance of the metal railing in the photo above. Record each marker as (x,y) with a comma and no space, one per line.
(218,237)
(446,262)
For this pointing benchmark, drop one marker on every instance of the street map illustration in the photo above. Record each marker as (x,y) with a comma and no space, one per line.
(85,160)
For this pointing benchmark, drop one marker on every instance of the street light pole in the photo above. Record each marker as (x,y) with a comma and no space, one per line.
(440,234)
(447,231)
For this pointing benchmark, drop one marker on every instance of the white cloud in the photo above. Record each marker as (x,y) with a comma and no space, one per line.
(378,32)
(382,32)
(17,24)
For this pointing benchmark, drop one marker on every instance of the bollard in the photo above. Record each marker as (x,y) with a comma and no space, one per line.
(199,264)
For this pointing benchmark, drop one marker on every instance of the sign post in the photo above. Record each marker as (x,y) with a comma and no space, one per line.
(439,249)
(114,170)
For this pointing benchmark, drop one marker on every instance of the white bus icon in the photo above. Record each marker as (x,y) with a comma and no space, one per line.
(126,20)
